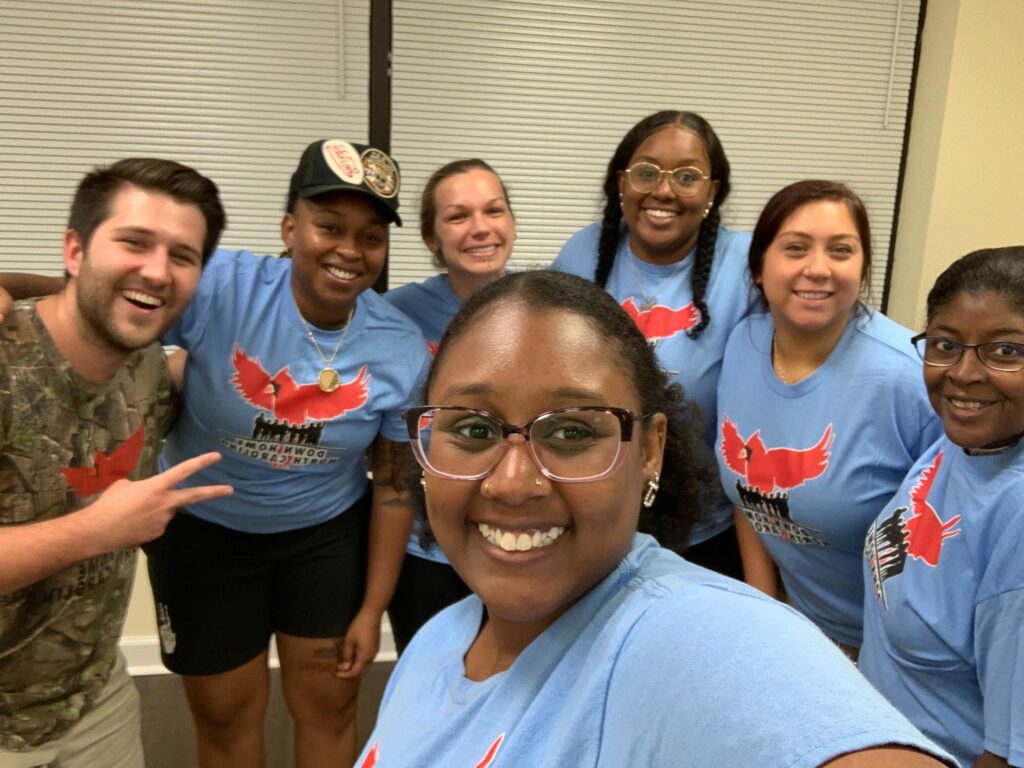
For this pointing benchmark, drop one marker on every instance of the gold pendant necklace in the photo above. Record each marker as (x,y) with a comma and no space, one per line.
(328,379)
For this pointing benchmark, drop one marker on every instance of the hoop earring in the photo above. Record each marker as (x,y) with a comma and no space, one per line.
(651,491)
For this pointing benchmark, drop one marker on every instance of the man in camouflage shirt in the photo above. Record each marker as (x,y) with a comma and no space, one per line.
(85,398)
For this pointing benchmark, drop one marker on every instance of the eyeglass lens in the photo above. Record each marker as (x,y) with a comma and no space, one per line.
(998,355)
(685,181)
(568,444)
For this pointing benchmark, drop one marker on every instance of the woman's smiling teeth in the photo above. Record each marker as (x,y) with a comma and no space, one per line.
(523,541)
(971,405)
(660,213)
(144,299)
(813,294)
(338,272)
(481,250)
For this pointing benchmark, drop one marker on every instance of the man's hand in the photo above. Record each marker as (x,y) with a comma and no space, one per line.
(127,513)
(134,512)
(6,302)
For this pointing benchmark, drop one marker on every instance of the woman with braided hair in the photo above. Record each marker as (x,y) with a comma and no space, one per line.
(661,252)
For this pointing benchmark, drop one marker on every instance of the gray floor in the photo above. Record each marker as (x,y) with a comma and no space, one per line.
(169,738)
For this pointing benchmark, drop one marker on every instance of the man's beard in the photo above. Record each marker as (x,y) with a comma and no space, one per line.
(94,304)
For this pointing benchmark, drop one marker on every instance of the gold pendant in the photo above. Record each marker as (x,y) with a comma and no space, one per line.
(328,380)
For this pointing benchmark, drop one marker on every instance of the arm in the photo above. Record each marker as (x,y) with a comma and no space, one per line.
(126,514)
(890,757)
(20,285)
(758,567)
(176,366)
(988,760)
(390,525)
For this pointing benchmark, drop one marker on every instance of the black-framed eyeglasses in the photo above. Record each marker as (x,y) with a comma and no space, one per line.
(570,445)
(1006,356)
(645,177)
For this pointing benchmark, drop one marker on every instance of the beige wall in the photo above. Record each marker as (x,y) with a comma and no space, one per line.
(141,615)
(965,167)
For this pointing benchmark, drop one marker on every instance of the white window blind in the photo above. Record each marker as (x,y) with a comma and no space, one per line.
(235,88)
(544,90)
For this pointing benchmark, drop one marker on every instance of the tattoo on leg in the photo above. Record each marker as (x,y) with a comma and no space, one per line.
(325,652)
(325,658)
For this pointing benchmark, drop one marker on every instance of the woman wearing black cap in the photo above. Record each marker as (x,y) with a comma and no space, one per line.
(295,369)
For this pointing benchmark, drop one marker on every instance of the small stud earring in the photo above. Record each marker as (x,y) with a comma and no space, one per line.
(707,210)
(537,481)
(651,491)
(484,490)
(423,482)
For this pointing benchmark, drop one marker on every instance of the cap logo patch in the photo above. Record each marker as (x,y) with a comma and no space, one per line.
(342,158)
(381,173)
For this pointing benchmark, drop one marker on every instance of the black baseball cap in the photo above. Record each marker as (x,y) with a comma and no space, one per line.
(332,165)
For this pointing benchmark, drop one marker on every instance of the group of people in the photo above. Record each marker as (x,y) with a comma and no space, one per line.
(726,395)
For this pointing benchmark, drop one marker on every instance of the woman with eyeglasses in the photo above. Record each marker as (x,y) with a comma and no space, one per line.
(661,252)
(944,616)
(586,644)
(820,408)
(466,222)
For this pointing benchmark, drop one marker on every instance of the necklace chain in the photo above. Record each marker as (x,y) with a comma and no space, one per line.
(649,300)
(328,379)
(777,361)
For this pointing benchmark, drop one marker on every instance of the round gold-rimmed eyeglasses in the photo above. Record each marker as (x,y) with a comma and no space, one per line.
(645,177)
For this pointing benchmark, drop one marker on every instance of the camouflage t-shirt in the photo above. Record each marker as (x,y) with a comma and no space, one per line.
(63,440)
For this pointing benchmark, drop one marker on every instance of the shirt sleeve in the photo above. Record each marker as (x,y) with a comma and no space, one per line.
(999,648)
(578,255)
(756,684)
(393,423)
(195,317)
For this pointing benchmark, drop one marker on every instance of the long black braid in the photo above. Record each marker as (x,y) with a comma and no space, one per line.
(612,228)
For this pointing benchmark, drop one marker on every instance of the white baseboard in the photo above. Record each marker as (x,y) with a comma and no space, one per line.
(143,652)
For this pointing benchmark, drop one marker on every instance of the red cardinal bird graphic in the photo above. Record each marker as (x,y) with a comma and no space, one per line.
(491,753)
(371,757)
(290,402)
(777,468)
(925,531)
(370,761)
(660,322)
(108,469)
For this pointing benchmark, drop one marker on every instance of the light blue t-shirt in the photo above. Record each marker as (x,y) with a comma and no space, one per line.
(431,305)
(294,453)
(696,364)
(662,664)
(944,614)
(811,464)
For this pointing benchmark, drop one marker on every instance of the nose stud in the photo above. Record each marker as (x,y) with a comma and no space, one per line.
(485,489)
